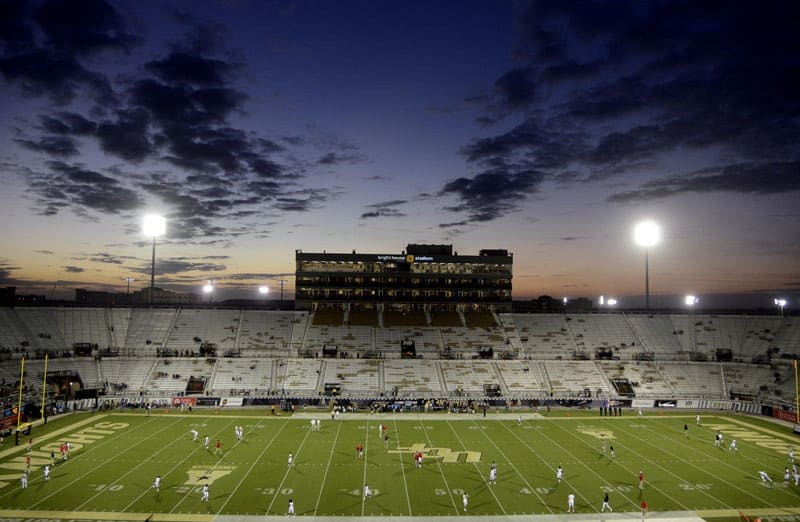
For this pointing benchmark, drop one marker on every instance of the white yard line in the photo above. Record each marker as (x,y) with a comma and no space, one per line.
(402,466)
(253,465)
(325,475)
(83,454)
(191,489)
(364,478)
(632,471)
(439,464)
(286,474)
(478,469)
(511,463)
(566,481)
(714,476)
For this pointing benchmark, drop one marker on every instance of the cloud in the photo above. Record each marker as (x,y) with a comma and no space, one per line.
(491,194)
(336,158)
(601,89)
(73,269)
(65,185)
(385,209)
(750,178)
(59,146)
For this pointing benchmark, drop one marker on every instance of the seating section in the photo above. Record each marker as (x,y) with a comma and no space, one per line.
(171,376)
(193,327)
(523,378)
(656,353)
(243,377)
(411,378)
(42,323)
(148,330)
(269,333)
(592,331)
(467,377)
(572,378)
(354,377)
(544,336)
(657,333)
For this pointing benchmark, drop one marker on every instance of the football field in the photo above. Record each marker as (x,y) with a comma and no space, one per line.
(115,458)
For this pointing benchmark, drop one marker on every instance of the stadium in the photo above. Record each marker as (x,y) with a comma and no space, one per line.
(464,386)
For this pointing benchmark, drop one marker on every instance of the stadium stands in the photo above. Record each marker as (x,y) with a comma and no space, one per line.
(157,352)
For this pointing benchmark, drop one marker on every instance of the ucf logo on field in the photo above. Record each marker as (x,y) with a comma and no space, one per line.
(202,475)
(600,433)
(446,454)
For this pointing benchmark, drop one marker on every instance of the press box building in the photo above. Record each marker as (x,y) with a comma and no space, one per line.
(423,277)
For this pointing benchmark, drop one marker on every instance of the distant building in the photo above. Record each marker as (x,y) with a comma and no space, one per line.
(423,277)
(8,295)
(163,297)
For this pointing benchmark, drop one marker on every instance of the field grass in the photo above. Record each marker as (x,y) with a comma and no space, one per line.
(116,457)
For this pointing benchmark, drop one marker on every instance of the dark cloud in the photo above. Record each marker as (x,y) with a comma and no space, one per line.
(65,185)
(101,27)
(67,123)
(336,158)
(73,269)
(758,179)
(385,209)
(604,88)
(180,266)
(126,137)
(60,146)
(181,67)
(491,194)
(45,252)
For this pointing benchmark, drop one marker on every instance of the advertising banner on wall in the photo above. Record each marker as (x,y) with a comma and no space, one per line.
(187,401)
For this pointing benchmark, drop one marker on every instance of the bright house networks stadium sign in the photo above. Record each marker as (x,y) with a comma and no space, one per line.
(408,259)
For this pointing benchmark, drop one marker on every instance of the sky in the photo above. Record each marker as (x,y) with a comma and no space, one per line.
(547,128)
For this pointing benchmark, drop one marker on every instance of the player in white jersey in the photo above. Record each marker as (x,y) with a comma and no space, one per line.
(194,434)
(205,494)
(290,461)
(493,476)
(571,503)
(465,500)
(559,474)
(733,445)
(157,483)
(24,480)
(764,477)
(367,491)
(290,510)
(205,443)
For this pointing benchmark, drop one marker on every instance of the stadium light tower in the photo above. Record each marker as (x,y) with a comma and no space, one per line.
(263,290)
(690,301)
(647,234)
(154,226)
(282,282)
(780,303)
(208,289)
(129,281)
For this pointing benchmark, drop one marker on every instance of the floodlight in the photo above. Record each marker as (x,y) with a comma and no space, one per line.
(647,234)
(612,302)
(780,303)
(208,287)
(263,290)
(691,300)
(154,225)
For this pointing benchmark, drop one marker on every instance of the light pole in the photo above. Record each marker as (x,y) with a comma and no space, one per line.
(129,280)
(690,301)
(282,282)
(647,234)
(153,225)
(780,303)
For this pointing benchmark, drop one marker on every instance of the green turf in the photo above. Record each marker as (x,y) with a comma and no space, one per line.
(115,473)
